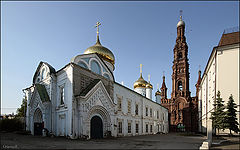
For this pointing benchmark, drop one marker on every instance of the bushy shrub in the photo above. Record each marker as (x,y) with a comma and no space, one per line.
(11,125)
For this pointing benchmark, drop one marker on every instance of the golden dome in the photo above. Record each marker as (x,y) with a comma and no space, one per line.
(140,82)
(149,85)
(104,52)
(158,93)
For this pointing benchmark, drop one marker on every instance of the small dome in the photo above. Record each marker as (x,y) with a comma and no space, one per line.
(140,83)
(104,52)
(158,93)
(181,23)
(149,85)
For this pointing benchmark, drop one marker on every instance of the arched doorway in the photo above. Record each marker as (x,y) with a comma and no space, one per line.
(96,127)
(38,122)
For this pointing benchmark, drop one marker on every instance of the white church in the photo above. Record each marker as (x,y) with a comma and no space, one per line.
(83,100)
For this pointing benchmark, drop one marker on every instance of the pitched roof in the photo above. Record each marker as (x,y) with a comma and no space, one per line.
(42,92)
(52,70)
(229,38)
(89,87)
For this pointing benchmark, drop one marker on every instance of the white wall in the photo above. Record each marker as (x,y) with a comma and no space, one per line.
(221,74)
(126,94)
(63,116)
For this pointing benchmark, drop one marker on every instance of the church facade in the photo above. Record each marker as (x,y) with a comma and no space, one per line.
(83,100)
(183,109)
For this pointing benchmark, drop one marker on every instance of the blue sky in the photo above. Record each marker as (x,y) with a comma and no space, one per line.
(136,32)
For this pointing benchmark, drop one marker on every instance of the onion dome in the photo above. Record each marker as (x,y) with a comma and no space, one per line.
(104,52)
(149,85)
(158,93)
(140,82)
(181,22)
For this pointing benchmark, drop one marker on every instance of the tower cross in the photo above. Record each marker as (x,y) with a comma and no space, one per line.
(149,78)
(97,26)
(181,14)
(141,68)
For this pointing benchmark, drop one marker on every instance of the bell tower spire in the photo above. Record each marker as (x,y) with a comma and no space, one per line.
(180,75)
(163,89)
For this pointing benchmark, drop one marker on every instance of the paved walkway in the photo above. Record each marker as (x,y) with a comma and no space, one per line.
(158,141)
(226,143)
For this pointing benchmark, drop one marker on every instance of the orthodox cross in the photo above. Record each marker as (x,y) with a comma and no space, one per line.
(163,73)
(97,25)
(157,86)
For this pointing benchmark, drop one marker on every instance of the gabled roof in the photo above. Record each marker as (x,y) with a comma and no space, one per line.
(52,70)
(229,38)
(89,87)
(42,93)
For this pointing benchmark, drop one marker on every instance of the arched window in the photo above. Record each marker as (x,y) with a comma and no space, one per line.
(180,85)
(179,55)
(95,67)
(82,64)
(43,73)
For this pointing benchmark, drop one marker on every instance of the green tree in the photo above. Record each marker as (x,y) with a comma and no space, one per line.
(21,112)
(218,115)
(231,119)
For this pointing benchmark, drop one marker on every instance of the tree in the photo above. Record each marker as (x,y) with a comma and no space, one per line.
(231,119)
(218,115)
(21,112)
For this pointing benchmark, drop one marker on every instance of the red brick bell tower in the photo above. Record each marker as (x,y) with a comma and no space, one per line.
(182,108)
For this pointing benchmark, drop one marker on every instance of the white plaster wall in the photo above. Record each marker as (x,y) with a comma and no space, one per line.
(63,116)
(149,93)
(140,90)
(126,95)
(221,74)
(228,75)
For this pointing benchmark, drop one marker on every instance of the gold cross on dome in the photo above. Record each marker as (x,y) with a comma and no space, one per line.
(140,68)
(97,25)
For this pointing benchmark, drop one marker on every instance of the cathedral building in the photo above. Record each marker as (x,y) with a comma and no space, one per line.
(83,100)
(181,106)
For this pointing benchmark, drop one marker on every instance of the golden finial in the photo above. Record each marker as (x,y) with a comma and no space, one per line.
(141,68)
(149,78)
(181,14)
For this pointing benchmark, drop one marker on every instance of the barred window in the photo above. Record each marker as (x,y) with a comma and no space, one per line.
(150,112)
(146,111)
(136,109)
(119,104)
(146,128)
(129,128)
(129,106)
(137,127)
(151,128)
(61,95)
(119,127)
(157,114)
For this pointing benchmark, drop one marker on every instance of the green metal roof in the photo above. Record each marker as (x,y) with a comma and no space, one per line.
(42,92)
